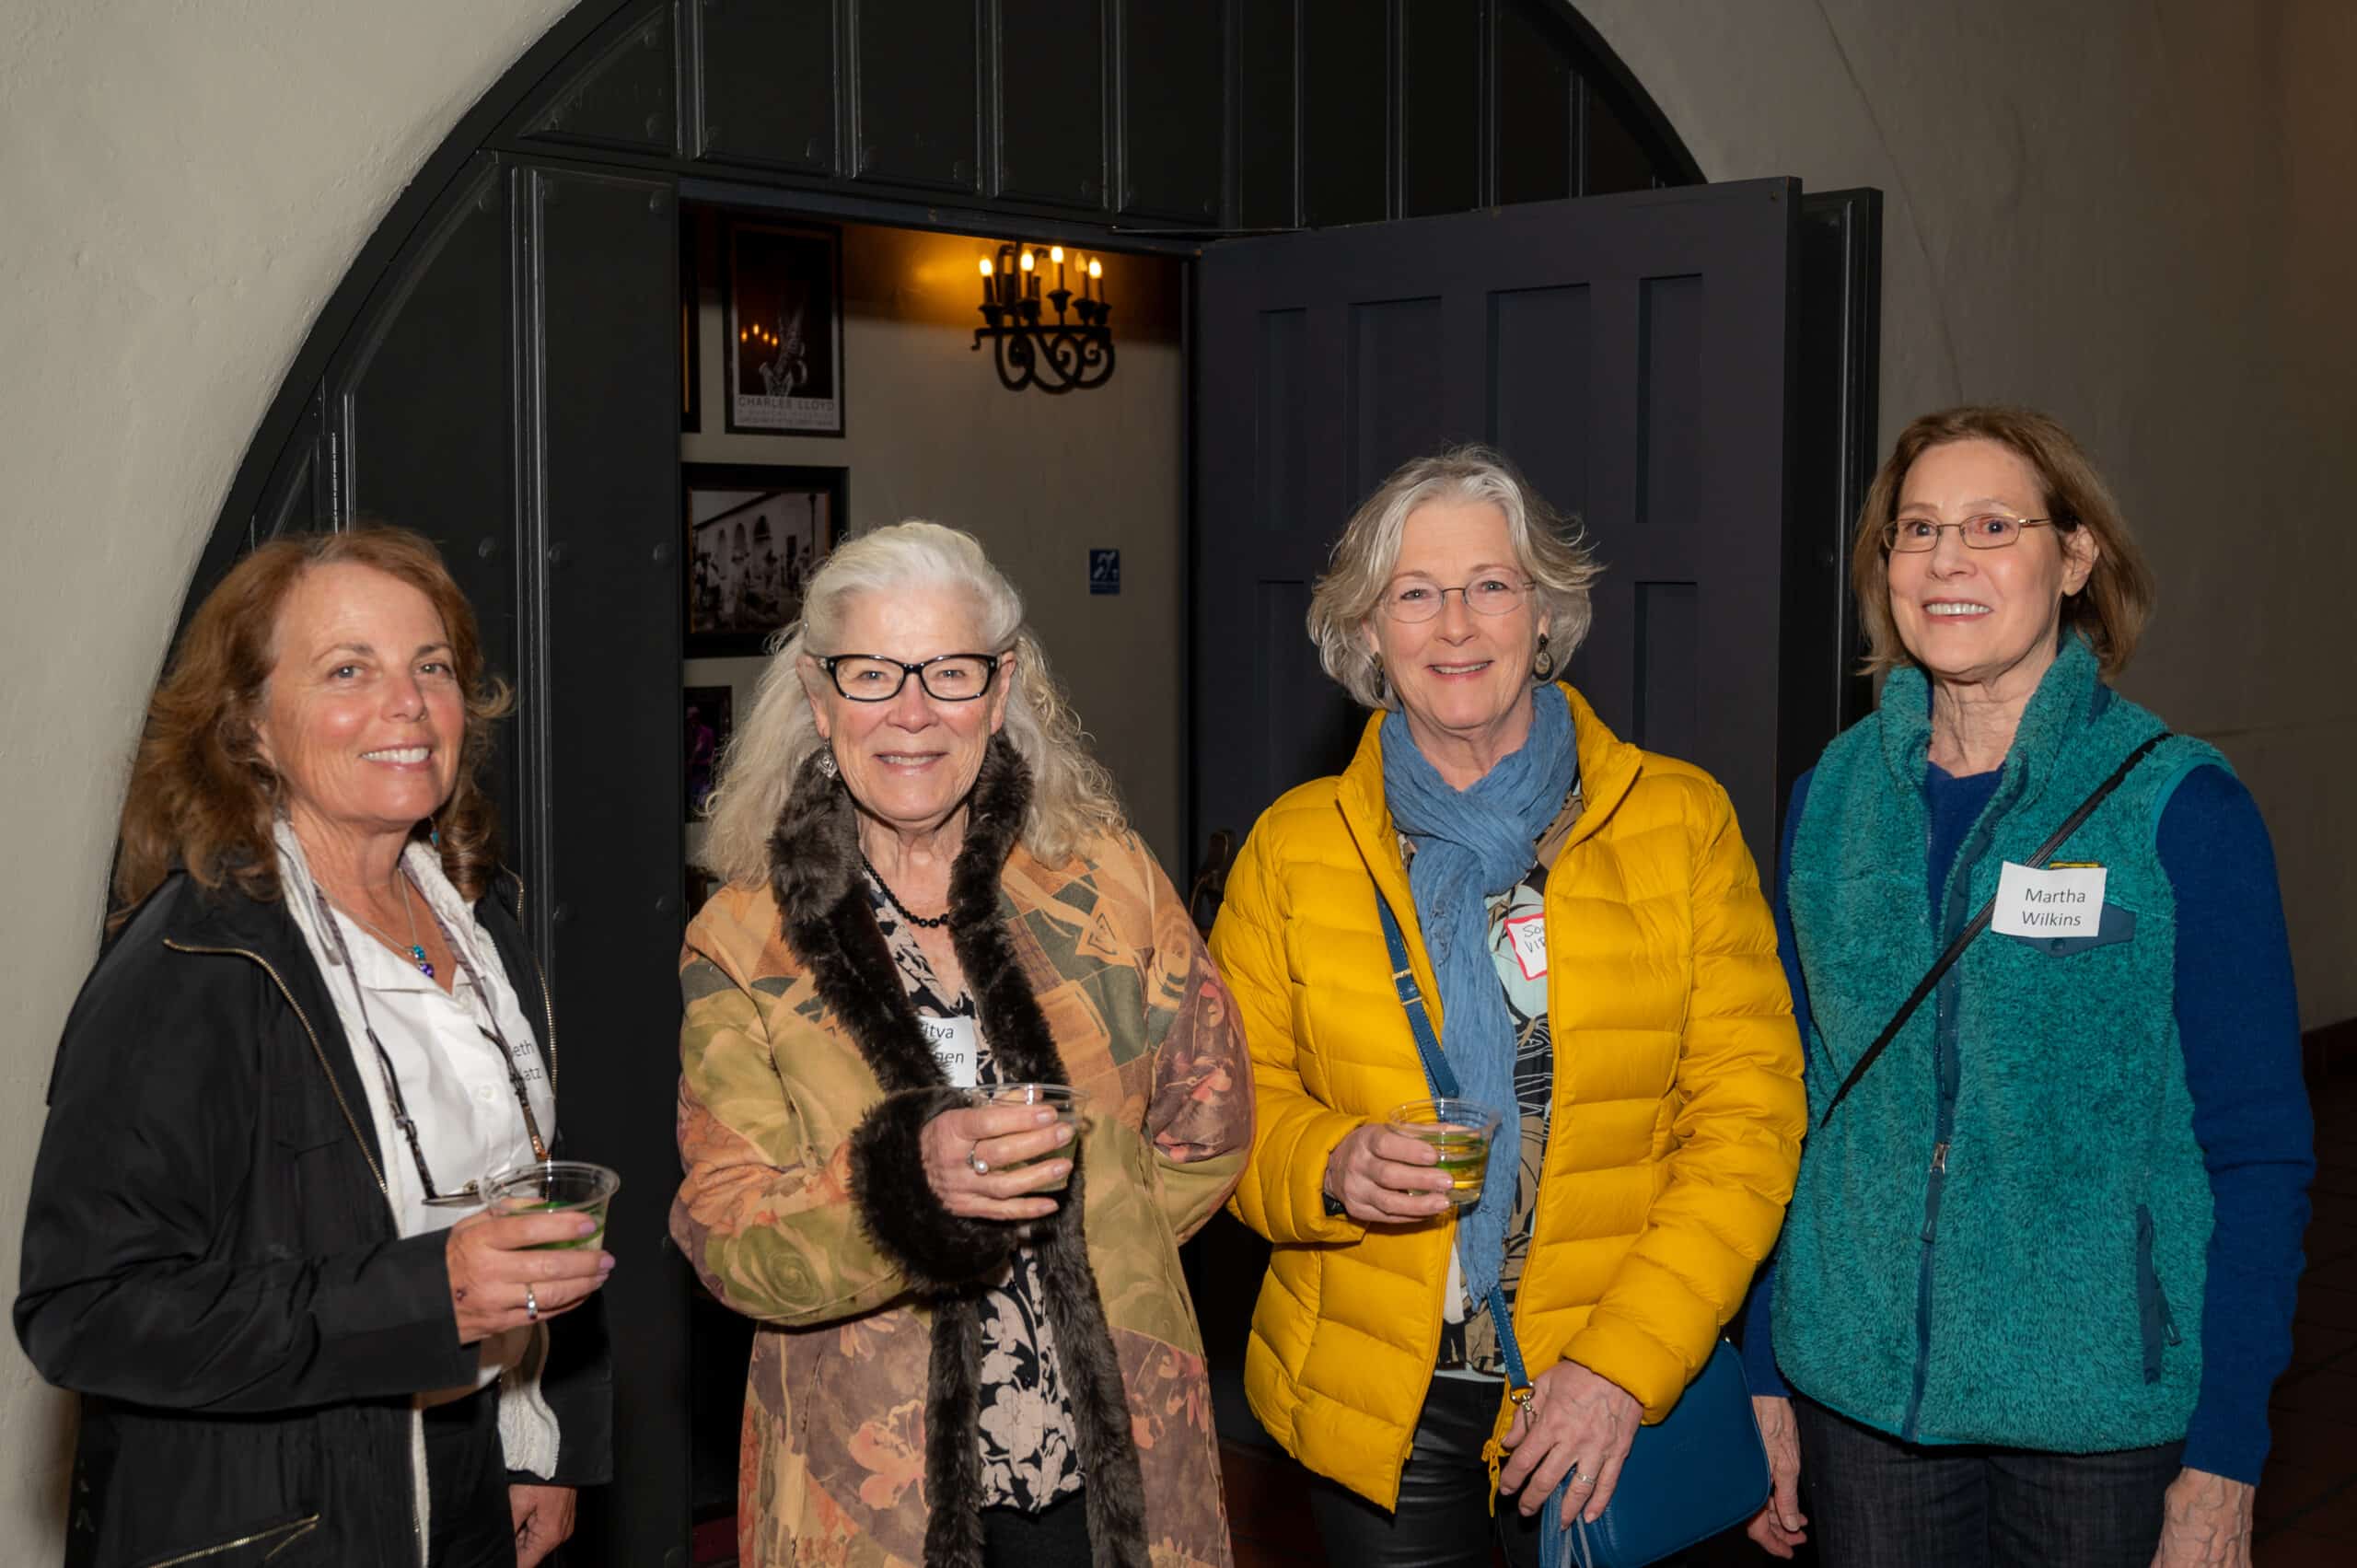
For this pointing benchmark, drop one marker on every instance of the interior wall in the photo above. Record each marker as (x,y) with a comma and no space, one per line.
(2134,214)
(1040,479)
(183,186)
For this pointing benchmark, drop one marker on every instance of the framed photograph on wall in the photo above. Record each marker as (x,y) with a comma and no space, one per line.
(785,328)
(710,721)
(754,535)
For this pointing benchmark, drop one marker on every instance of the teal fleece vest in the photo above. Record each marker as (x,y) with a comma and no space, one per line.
(2044,1289)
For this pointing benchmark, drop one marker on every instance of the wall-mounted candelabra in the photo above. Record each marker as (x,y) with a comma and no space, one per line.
(1061,355)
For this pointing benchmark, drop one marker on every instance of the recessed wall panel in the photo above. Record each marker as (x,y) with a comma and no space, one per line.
(1050,56)
(1539,389)
(1669,347)
(1397,407)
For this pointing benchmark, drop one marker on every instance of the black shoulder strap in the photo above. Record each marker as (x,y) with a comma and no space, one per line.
(1979,922)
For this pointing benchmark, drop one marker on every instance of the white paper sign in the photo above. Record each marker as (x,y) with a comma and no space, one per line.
(2062,901)
(956,1045)
(1529,933)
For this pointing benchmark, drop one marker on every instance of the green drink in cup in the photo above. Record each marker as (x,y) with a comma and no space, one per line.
(1070,1105)
(1458,1131)
(556,1186)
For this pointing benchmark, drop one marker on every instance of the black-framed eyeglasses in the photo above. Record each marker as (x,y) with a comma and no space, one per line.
(1413,599)
(945,678)
(1990,530)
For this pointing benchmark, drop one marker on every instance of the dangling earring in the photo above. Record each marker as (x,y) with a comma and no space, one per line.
(433,833)
(1382,687)
(1542,668)
(827,764)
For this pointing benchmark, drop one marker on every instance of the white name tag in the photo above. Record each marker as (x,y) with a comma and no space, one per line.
(1529,933)
(2062,901)
(956,1046)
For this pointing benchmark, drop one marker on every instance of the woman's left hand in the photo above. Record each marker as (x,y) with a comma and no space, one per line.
(1575,1424)
(543,1517)
(2205,1520)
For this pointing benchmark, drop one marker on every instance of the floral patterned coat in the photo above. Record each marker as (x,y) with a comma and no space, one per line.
(804,1091)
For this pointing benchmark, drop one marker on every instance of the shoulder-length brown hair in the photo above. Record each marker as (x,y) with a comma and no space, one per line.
(203,800)
(2110,612)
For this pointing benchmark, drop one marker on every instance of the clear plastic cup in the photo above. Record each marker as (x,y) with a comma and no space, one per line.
(1070,1105)
(555,1187)
(1460,1132)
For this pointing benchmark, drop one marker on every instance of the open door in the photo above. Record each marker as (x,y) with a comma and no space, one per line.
(1632,354)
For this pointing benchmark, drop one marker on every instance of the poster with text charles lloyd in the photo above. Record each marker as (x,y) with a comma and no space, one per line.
(785,329)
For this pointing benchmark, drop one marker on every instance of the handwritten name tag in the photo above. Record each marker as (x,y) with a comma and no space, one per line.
(1529,933)
(2062,900)
(956,1046)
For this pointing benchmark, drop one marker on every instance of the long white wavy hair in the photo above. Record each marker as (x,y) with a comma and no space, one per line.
(1072,797)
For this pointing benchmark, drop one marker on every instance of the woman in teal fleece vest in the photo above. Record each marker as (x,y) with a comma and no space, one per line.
(2039,1272)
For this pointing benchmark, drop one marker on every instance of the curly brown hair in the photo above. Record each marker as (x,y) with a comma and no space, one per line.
(2110,612)
(203,800)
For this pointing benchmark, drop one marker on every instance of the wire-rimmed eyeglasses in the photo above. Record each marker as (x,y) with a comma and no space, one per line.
(945,678)
(1990,530)
(1415,598)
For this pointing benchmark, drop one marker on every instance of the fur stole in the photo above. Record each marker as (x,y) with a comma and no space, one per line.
(822,898)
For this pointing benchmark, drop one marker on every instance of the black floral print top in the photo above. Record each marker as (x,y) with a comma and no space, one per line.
(1026,1437)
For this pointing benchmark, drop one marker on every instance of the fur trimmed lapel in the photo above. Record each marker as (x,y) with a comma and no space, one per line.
(822,897)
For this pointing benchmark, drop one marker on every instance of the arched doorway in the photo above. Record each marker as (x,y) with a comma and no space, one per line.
(495,368)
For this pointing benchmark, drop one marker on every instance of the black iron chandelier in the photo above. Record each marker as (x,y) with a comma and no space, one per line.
(1061,355)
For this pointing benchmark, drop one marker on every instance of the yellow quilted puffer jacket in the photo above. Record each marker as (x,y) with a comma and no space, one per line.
(1678,1108)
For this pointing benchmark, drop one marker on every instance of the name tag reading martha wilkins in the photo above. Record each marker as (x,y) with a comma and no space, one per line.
(2062,900)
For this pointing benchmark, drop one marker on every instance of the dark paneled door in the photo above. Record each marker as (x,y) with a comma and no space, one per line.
(1630,354)
(597,305)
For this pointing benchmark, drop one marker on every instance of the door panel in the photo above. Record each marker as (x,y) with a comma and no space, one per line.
(1632,354)
(598,301)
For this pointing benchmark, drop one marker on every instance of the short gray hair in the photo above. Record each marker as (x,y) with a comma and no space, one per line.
(1549,547)
(1072,797)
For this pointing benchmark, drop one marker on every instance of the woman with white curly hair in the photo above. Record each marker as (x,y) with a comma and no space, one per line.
(975,1344)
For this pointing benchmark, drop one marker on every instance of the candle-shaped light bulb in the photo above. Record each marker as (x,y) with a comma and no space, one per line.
(987,299)
(1056,254)
(1096,276)
(1027,261)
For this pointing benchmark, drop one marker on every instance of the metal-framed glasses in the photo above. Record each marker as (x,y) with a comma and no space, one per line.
(1413,599)
(1990,530)
(945,678)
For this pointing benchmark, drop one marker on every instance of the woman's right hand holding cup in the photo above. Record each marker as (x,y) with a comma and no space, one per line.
(499,1281)
(975,1160)
(1382,1176)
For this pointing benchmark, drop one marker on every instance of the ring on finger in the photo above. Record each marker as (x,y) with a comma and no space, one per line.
(974,1160)
(531,1305)
(1580,1478)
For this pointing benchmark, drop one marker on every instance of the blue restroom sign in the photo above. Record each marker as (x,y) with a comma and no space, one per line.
(1104,571)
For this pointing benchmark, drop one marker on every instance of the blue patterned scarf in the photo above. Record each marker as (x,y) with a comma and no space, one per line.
(1471,845)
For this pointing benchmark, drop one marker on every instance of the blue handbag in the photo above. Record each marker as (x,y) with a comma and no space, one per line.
(1701,1469)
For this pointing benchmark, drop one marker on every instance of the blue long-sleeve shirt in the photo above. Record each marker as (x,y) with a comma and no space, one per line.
(2238,1026)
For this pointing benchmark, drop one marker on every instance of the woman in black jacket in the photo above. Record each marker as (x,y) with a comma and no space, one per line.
(314,1030)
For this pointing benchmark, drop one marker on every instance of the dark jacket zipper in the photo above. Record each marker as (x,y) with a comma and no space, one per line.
(416,1531)
(299,1528)
(317,1051)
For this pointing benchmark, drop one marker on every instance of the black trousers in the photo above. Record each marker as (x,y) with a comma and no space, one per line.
(465,1483)
(1055,1536)
(1443,1517)
(1871,1499)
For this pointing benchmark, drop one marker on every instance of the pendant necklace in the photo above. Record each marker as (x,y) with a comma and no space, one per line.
(416,948)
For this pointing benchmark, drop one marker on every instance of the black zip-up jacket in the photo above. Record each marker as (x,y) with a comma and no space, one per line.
(211,1262)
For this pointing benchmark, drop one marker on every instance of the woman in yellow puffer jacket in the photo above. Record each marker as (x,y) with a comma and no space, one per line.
(1588,930)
